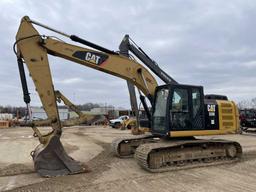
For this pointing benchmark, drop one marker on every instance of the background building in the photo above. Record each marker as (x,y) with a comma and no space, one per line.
(6,116)
(39,113)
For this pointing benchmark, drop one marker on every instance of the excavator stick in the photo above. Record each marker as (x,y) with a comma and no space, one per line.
(51,160)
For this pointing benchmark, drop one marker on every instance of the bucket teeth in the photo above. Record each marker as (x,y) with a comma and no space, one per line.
(51,160)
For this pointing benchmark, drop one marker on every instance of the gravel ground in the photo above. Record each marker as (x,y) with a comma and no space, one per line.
(91,145)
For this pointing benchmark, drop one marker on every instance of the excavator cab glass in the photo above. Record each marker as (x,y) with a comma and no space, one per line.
(177,108)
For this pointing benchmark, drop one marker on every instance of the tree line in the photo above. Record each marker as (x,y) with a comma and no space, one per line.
(247,104)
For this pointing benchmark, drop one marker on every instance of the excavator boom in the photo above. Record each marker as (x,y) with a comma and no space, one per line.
(33,49)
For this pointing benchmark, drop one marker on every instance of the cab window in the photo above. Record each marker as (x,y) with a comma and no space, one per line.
(179,112)
(196,101)
(159,115)
(180,100)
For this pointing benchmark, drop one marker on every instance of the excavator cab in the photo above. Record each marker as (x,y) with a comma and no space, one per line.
(177,107)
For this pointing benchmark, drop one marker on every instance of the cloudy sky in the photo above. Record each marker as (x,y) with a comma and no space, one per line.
(203,42)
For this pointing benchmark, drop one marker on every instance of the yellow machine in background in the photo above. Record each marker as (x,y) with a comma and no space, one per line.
(82,118)
(178,112)
(129,123)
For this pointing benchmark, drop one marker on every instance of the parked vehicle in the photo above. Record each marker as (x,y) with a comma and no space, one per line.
(117,123)
(247,119)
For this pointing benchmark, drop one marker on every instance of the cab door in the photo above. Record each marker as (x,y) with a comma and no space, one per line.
(186,108)
(180,118)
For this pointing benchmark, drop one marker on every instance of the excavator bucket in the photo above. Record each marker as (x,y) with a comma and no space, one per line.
(51,160)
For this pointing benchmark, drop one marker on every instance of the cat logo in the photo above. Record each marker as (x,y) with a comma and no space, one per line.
(211,108)
(92,57)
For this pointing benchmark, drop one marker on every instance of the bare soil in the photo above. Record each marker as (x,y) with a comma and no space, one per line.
(91,145)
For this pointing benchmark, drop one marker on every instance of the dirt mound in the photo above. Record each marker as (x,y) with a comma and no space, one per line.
(79,182)
(16,169)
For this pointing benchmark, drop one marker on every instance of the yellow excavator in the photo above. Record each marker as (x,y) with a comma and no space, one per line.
(81,119)
(85,119)
(178,113)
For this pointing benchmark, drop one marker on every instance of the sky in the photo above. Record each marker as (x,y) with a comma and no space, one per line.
(200,42)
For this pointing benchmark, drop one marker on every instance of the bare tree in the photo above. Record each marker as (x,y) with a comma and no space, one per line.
(254,103)
(247,104)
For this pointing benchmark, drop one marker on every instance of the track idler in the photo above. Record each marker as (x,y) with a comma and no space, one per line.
(51,160)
